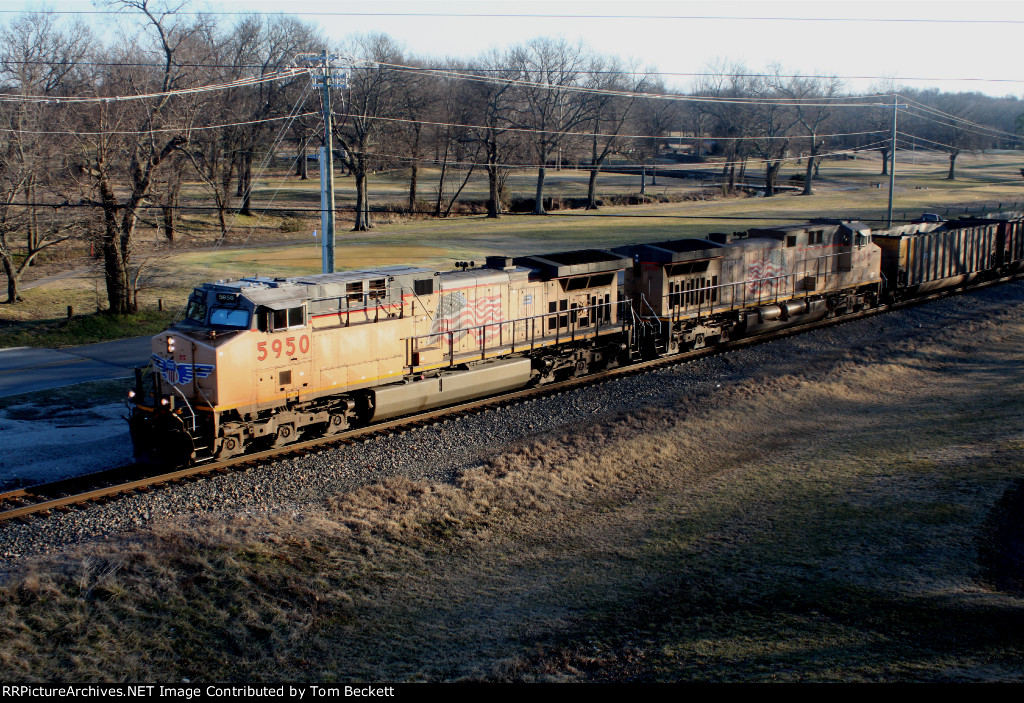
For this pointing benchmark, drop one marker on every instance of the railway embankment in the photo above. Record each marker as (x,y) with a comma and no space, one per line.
(824,507)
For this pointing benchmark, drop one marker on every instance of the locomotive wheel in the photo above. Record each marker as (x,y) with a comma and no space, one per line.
(338,423)
(285,435)
(229,447)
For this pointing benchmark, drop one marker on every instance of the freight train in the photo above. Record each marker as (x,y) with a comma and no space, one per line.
(265,361)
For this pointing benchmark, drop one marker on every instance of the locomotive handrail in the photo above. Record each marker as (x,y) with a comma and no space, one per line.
(709,300)
(187,404)
(529,331)
(643,301)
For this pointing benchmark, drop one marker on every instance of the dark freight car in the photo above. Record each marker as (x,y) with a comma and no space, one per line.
(923,258)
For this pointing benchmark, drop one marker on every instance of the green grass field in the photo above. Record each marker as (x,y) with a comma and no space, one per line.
(285,246)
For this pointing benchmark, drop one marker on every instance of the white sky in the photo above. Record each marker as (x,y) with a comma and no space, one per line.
(980,42)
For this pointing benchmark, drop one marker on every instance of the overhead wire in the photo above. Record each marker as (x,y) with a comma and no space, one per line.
(239,83)
(594,72)
(555,15)
(807,102)
(569,133)
(936,112)
(158,130)
(994,134)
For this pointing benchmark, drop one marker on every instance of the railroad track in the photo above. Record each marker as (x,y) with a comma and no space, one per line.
(75,493)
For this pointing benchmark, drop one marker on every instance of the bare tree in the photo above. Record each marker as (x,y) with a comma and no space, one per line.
(376,94)
(551,73)
(126,142)
(491,99)
(812,99)
(956,128)
(773,122)
(613,106)
(731,116)
(39,59)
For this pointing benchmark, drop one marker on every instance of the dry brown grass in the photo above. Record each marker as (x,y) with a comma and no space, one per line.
(820,523)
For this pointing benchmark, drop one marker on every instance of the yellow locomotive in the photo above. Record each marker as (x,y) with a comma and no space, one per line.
(271,359)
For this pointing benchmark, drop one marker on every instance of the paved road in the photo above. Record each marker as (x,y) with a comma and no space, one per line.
(26,369)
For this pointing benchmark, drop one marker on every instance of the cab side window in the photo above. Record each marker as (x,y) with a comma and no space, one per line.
(268,320)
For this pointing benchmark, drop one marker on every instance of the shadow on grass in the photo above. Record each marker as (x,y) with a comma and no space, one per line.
(83,329)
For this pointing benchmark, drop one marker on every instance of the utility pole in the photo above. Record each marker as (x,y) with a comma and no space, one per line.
(892,167)
(321,68)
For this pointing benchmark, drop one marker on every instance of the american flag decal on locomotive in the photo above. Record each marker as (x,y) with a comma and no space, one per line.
(179,374)
(461,317)
(762,273)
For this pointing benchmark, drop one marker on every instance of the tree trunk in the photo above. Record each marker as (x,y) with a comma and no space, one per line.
(245,176)
(119,300)
(592,187)
(170,209)
(493,192)
(363,223)
(809,174)
(769,178)
(414,172)
(413,180)
(301,167)
(168,227)
(12,282)
(643,179)
(538,206)
(952,165)
(595,166)
(885,161)
(439,201)
(32,229)
(809,177)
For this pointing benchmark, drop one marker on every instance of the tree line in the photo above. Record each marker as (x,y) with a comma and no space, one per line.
(80,157)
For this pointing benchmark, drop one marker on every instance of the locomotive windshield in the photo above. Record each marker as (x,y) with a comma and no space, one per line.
(235,316)
(196,310)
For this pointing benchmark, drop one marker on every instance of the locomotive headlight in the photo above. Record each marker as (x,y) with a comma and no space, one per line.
(170,345)
(131,394)
(165,401)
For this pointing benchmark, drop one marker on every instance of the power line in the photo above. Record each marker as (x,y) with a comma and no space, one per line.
(589,72)
(240,83)
(533,15)
(530,130)
(936,111)
(807,102)
(160,130)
